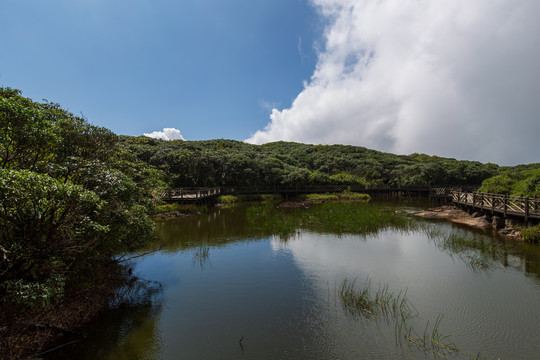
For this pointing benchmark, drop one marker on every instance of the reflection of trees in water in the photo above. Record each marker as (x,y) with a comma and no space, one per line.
(127,329)
(484,252)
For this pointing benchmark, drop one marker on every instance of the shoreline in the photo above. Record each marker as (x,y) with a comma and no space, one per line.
(455,215)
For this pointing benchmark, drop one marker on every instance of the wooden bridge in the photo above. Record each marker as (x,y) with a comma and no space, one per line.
(190,195)
(515,206)
(507,206)
(210,194)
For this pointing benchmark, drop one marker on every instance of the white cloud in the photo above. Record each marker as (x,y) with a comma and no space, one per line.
(166,134)
(453,78)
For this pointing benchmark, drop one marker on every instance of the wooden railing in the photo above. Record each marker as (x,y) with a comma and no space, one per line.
(189,194)
(447,191)
(525,207)
(320,189)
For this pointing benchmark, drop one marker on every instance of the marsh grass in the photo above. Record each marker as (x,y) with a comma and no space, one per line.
(358,218)
(431,341)
(343,196)
(381,304)
(228,200)
(201,255)
(531,233)
(182,208)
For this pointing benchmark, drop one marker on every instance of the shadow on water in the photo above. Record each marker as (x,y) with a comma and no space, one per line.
(124,328)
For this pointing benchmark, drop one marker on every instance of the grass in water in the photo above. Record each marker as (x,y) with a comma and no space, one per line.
(344,196)
(228,200)
(432,341)
(397,308)
(201,255)
(360,218)
(381,304)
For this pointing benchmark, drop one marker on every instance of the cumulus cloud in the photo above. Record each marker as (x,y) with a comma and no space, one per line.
(453,78)
(166,134)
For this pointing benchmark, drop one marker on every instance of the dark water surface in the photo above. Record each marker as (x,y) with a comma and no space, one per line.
(222,277)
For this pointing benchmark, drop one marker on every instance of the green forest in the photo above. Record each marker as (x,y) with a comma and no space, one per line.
(235,163)
(74,196)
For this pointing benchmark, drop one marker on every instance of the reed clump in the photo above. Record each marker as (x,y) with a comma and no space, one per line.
(228,200)
(201,255)
(343,196)
(430,342)
(382,303)
(392,307)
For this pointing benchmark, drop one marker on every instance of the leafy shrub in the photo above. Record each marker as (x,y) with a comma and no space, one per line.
(183,208)
(35,294)
(531,233)
(228,200)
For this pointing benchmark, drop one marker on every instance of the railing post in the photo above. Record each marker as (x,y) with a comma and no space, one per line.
(505,204)
(526,210)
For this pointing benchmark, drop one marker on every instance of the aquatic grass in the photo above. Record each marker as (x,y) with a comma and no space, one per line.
(183,208)
(228,200)
(531,233)
(432,341)
(397,308)
(382,304)
(201,255)
(342,196)
(322,197)
(339,218)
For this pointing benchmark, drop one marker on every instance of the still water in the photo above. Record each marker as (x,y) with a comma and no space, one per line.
(224,285)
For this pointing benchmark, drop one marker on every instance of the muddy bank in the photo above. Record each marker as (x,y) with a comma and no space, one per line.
(458,216)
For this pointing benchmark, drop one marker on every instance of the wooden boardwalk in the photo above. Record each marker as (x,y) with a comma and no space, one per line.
(190,195)
(200,195)
(314,189)
(523,207)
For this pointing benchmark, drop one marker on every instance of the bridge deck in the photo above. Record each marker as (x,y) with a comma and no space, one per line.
(524,207)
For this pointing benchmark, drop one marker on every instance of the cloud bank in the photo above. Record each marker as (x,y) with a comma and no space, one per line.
(456,78)
(166,134)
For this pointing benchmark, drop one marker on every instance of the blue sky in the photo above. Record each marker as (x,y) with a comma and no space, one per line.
(211,68)
(456,78)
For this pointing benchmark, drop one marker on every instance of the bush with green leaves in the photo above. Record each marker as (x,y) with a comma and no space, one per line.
(531,233)
(523,180)
(71,199)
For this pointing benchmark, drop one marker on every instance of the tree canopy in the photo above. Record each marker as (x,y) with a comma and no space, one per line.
(229,162)
(70,199)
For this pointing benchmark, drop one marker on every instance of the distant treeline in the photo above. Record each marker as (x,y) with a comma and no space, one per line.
(228,162)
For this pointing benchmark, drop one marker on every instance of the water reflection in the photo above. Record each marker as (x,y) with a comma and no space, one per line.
(272,277)
(128,329)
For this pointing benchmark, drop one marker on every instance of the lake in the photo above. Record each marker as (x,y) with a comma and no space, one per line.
(258,282)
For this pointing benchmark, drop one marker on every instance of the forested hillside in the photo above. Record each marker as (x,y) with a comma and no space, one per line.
(522,180)
(228,162)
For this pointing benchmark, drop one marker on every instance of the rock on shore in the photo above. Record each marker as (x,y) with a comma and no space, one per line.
(455,215)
